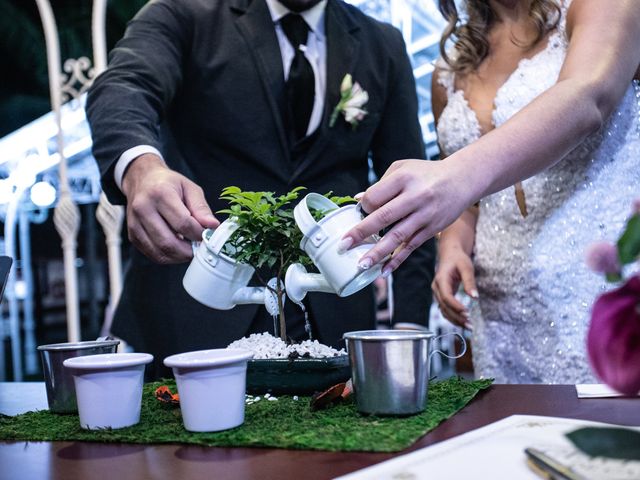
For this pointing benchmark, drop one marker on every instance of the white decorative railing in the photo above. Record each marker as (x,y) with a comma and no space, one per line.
(79,78)
(66,214)
(68,84)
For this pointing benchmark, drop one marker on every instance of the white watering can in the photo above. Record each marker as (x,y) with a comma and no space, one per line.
(339,272)
(218,281)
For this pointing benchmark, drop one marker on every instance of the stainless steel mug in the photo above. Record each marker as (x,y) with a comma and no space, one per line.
(390,369)
(61,393)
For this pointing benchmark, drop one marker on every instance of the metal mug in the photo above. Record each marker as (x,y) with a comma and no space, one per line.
(390,369)
(61,392)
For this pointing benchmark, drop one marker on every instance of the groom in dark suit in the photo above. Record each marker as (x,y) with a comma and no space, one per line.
(201,94)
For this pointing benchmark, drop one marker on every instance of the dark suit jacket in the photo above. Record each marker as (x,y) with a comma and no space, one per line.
(202,81)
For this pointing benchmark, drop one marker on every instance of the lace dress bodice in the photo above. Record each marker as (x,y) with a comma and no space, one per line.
(531,319)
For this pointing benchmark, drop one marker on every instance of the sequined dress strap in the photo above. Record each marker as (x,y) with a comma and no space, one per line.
(446,77)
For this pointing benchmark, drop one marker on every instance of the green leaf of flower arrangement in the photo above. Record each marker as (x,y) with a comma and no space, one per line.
(629,243)
(618,443)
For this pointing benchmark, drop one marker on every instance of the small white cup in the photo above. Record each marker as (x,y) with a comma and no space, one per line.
(101,378)
(212,386)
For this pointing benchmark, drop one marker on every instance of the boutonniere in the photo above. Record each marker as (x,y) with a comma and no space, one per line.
(352,99)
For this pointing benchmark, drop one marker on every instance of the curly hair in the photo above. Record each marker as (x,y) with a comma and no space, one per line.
(471,43)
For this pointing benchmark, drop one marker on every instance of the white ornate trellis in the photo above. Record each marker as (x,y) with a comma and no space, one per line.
(78,79)
(68,85)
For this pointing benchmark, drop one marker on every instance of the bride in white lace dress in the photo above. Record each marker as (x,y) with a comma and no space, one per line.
(532,87)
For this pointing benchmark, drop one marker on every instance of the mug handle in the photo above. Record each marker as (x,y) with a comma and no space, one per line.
(464,346)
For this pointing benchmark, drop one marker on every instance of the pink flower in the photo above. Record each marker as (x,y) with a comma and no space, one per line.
(602,257)
(613,341)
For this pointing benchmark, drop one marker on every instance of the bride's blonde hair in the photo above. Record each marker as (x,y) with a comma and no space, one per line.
(471,43)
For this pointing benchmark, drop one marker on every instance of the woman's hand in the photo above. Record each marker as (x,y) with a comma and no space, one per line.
(454,266)
(419,198)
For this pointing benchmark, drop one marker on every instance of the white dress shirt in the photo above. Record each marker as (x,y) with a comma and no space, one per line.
(315,51)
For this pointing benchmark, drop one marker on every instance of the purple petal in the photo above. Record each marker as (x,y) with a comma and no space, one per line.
(602,257)
(613,341)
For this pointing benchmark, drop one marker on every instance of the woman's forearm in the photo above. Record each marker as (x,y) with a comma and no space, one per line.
(602,58)
(460,234)
(523,146)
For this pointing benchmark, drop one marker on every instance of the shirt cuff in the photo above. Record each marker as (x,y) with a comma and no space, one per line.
(129,156)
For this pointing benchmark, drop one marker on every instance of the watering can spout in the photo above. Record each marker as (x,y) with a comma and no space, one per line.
(299,282)
(248,295)
(266,296)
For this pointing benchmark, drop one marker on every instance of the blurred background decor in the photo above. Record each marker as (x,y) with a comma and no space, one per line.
(39,306)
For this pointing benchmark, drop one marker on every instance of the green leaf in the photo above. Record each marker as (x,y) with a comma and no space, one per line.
(342,200)
(267,234)
(613,277)
(629,243)
(618,443)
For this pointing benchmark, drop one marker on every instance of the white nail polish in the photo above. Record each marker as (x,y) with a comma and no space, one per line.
(474,294)
(365,264)
(344,244)
(468,326)
(386,272)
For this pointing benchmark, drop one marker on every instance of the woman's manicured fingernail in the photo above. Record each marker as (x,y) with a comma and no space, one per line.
(358,196)
(468,326)
(344,244)
(365,264)
(386,272)
(465,314)
(474,294)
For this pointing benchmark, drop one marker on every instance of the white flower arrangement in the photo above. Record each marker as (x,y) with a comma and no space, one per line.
(352,98)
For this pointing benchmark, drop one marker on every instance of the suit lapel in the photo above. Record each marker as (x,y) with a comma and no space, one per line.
(342,52)
(255,25)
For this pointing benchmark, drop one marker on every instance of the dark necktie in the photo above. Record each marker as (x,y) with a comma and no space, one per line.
(300,85)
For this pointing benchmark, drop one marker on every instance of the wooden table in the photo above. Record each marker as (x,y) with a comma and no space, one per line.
(71,460)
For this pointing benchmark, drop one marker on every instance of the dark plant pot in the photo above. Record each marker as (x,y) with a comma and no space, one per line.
(302,376)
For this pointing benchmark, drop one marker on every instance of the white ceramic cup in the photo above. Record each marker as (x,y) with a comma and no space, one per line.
(212,386)
(101,378)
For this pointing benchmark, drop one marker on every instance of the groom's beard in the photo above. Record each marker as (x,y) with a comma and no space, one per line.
(299,5)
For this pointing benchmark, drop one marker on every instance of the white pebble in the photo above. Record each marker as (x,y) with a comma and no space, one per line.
(295,397)
(265,345)
(273,399)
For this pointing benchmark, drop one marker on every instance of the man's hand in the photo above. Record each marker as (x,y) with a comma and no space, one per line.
(165,210)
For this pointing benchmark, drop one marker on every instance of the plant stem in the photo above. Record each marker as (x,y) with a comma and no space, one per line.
(283,325)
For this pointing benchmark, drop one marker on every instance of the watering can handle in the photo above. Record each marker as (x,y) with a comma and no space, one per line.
(464,346)
(220,235)
(305,221)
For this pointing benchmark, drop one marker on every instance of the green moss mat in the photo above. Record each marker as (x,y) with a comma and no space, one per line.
(286,423)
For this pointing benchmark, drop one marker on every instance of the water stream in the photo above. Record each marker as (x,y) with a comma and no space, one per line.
(307,323)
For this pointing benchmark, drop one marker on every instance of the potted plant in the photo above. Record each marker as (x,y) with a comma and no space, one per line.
(267,237)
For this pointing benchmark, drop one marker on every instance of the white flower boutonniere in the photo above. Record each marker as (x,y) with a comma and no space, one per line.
(352,99)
